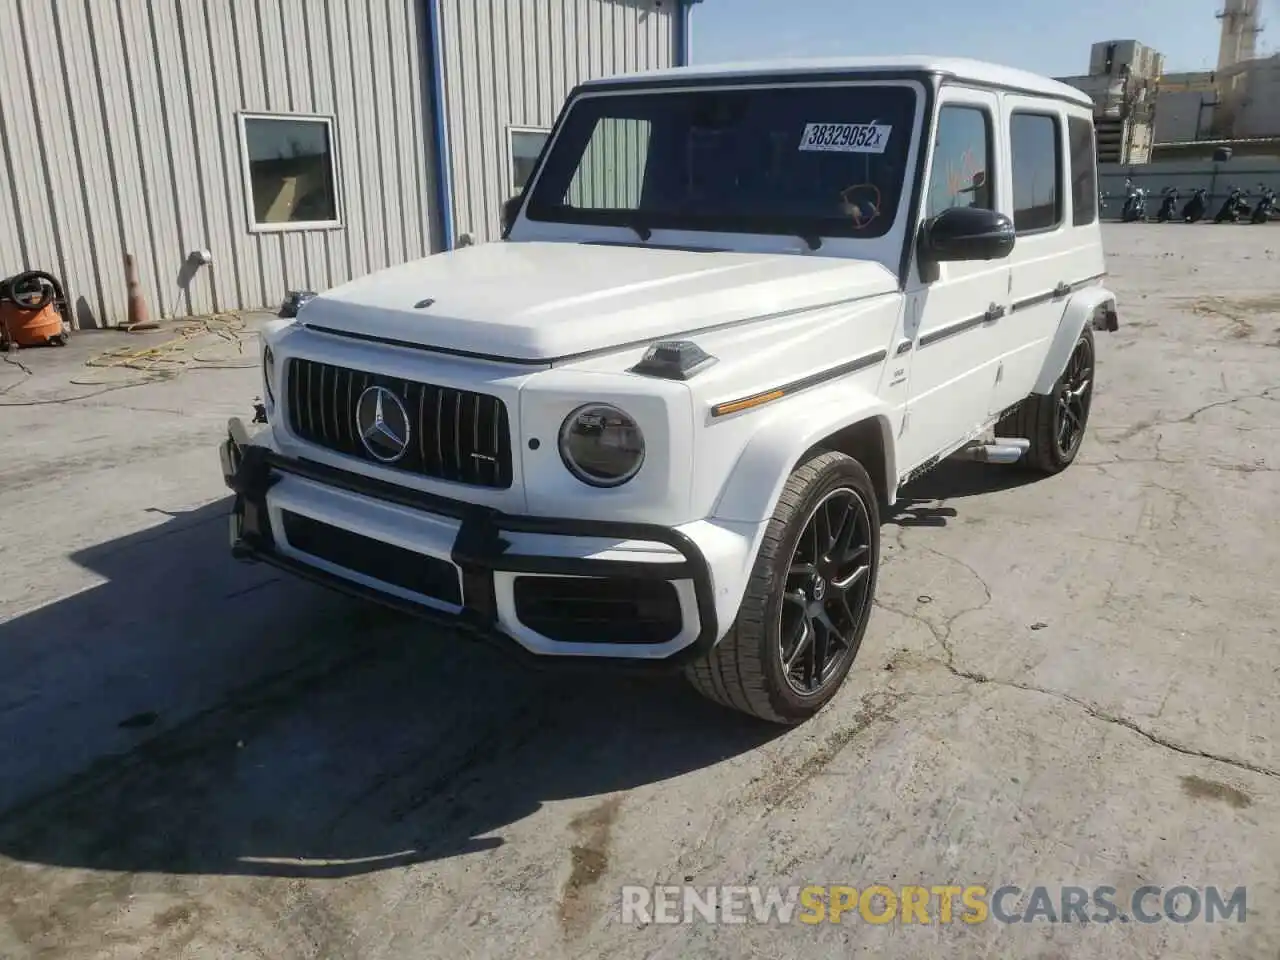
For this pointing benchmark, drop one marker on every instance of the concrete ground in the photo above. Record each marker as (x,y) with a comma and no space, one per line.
(1070,681)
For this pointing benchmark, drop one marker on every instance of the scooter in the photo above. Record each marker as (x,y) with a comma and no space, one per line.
(1135,204)
(1168,206)
(1232,208)
(1196,207)
(1265,208)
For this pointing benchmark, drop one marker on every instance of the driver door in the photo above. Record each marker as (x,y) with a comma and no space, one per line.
(954,321)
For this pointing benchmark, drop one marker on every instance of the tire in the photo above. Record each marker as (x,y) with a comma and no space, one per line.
(745,671)
(1038,417)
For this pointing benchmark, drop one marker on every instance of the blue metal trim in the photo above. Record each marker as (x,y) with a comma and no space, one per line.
(684,32)
(440,125)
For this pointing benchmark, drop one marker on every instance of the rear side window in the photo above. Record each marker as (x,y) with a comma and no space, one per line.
(1084,172)
(1037,171)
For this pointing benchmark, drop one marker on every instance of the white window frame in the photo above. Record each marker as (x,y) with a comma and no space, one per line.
(512,130)
(334,170)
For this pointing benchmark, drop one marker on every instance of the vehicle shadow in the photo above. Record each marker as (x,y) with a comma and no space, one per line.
(195,715)
(924,502)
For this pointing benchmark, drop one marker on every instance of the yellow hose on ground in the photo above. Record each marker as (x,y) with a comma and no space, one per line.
(164,361)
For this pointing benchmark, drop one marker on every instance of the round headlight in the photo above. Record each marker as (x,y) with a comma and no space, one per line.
(601,445)
(269,374)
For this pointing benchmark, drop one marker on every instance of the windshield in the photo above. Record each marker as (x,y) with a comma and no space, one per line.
(821,161)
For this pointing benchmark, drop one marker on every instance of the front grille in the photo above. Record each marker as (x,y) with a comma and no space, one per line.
(455,435)
(599,609)
(429,576)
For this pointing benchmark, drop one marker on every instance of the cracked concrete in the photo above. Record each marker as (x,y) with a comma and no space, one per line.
(1070,681)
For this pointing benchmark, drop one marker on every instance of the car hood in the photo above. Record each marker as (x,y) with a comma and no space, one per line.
(538,302)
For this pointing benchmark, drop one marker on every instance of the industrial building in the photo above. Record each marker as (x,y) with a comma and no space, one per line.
(238,149)
(1139,108)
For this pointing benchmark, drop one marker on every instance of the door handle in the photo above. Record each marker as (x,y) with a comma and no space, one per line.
(994,313)
(1061,290)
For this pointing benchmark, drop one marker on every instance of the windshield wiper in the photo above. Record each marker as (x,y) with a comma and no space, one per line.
(642,230)
(638,225)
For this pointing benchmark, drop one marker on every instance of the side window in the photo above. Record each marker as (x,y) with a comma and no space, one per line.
(525,145)
(611,171)
(1037,171)
(961,175)
(1084,172)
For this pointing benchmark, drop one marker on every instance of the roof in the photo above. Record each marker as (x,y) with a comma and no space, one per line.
(959,68)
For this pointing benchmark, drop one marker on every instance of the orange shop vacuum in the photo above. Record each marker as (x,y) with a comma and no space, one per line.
(32,308)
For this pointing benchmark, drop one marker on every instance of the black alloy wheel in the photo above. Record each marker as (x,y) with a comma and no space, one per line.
(1074,394)
(827,592)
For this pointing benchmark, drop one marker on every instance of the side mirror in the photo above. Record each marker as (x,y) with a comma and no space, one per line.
(967,233)
(510,210)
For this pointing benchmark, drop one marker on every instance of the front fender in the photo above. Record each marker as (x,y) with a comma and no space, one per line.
(1093,305)
(798,425)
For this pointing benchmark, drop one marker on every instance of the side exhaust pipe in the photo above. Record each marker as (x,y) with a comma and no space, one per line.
(1000,450)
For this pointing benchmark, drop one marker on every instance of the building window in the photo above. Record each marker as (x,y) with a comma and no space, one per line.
(1084,172)
(1036,151)
(526,144)
(961,175)
(289,171)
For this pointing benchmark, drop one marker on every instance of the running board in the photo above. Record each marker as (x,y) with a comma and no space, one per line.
(1000,450)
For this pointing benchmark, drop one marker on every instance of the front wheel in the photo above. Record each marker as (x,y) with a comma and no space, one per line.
(808,601)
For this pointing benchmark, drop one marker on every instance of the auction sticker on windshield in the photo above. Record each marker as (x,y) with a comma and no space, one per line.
(846,137)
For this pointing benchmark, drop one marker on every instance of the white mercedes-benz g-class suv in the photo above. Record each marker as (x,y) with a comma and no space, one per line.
(733,311)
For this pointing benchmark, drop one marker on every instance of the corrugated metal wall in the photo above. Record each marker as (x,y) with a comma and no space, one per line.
(512,63)
(119,132)
(612,170)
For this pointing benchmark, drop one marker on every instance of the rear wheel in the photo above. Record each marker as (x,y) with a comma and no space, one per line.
(808,601)
(1055,422)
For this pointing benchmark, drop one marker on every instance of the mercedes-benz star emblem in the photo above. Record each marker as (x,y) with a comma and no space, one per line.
(383,424)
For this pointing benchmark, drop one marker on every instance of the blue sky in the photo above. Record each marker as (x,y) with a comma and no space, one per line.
(1032,34)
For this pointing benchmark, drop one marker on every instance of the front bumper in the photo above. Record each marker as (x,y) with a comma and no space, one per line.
(476,541)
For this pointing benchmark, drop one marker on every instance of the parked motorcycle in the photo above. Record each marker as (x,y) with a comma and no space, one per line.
(1135,204)
(1265,208)
(1233,208)
(1196,207)
(1169,205)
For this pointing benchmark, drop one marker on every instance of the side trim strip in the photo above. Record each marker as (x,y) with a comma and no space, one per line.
(1088,281)
(942,333)
(611,348)
(795,386)
(1035,300)
(1061,290)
